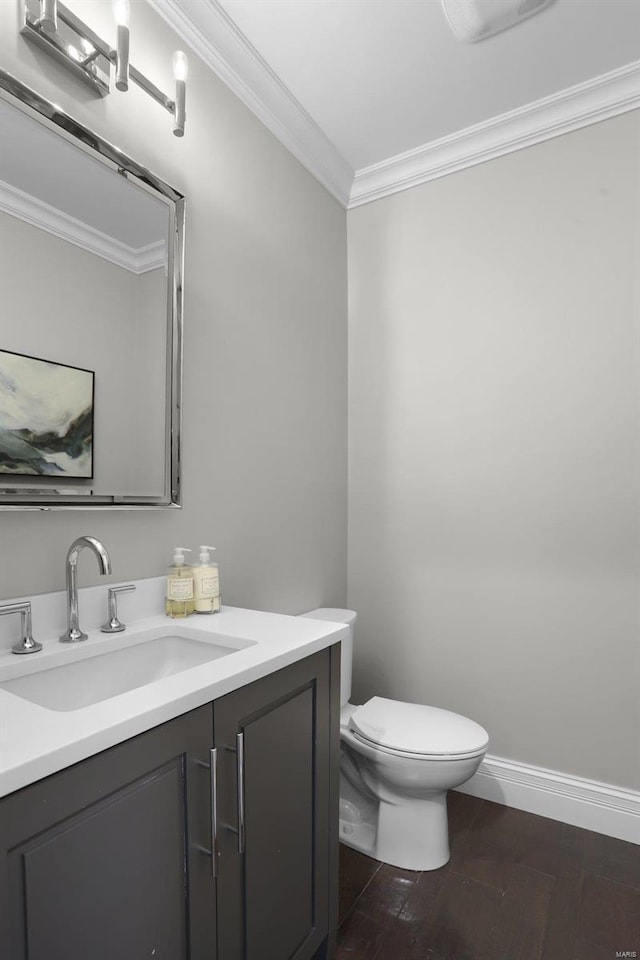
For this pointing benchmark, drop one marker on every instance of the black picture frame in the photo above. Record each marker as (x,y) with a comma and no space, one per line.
(23,450)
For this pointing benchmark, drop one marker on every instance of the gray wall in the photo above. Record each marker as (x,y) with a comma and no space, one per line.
(264,452)
(493,445)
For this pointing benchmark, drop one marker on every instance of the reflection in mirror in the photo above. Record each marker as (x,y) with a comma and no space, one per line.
(90,318)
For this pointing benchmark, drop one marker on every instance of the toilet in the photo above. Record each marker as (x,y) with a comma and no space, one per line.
(397,762)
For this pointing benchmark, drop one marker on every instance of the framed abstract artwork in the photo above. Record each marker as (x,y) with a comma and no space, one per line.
(46,418)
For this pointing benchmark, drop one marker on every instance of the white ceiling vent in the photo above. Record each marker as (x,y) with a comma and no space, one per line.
(472,20)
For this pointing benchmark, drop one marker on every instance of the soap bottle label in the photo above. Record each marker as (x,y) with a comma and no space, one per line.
(209,585)
(180,588)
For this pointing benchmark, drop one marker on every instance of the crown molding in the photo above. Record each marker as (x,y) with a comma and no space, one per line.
(45,217)
(598,99)
(214,37)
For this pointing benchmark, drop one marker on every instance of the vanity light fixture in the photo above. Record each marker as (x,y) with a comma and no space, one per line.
(67,38)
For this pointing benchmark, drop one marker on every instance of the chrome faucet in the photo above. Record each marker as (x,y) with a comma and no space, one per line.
(74,633)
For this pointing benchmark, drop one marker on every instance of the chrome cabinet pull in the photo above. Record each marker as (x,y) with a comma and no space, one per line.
(240,783)
(213,768)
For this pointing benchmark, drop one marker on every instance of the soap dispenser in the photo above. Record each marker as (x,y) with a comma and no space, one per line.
(179,602)
(206,583)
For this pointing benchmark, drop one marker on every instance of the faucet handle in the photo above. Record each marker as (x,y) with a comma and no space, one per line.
(26,644)
(113,625)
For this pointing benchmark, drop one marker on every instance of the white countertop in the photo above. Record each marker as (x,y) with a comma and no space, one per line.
(35,741)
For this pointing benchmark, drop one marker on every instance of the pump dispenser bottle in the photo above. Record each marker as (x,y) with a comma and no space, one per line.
(179,602)
(206,583)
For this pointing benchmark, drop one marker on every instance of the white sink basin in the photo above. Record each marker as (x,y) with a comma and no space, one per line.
(103,674)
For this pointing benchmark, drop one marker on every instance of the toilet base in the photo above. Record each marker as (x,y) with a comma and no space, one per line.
(359,836)
(358,821)
(413,835)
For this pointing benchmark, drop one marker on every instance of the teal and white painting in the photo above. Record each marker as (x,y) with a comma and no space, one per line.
(46,418)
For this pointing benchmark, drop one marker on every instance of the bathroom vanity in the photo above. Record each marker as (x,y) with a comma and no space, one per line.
(212,834)
(170,791)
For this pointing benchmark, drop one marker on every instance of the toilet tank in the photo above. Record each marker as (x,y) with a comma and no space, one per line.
(335,615)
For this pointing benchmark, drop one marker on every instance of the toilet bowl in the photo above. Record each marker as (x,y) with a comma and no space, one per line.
(398,760)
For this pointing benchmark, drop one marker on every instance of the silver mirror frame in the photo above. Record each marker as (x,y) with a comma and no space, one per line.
(23,498)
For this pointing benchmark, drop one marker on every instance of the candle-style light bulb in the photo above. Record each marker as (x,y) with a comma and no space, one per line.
(121,16)
(180,72)
(180,65)
(48,20)
(121,12)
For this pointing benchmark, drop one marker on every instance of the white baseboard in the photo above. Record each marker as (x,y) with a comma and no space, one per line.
(589,804)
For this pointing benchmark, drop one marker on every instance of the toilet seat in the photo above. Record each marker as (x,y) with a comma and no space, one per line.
(427,757)
(417,731)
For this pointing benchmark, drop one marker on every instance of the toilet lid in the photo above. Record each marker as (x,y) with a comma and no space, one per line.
(418,729)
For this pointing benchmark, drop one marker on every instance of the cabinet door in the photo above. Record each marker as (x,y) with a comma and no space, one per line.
(275,868)
(98,862)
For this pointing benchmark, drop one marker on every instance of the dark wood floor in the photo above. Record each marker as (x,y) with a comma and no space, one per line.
(517,887)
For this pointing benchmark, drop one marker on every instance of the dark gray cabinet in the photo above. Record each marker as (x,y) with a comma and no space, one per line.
(274,745)
(111,859)
(97,859)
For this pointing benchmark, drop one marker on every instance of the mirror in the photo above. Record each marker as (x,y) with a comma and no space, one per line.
(91,257)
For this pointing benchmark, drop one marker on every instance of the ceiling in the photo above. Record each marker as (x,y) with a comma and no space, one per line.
(361,87)
(53,171)
(47,180)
